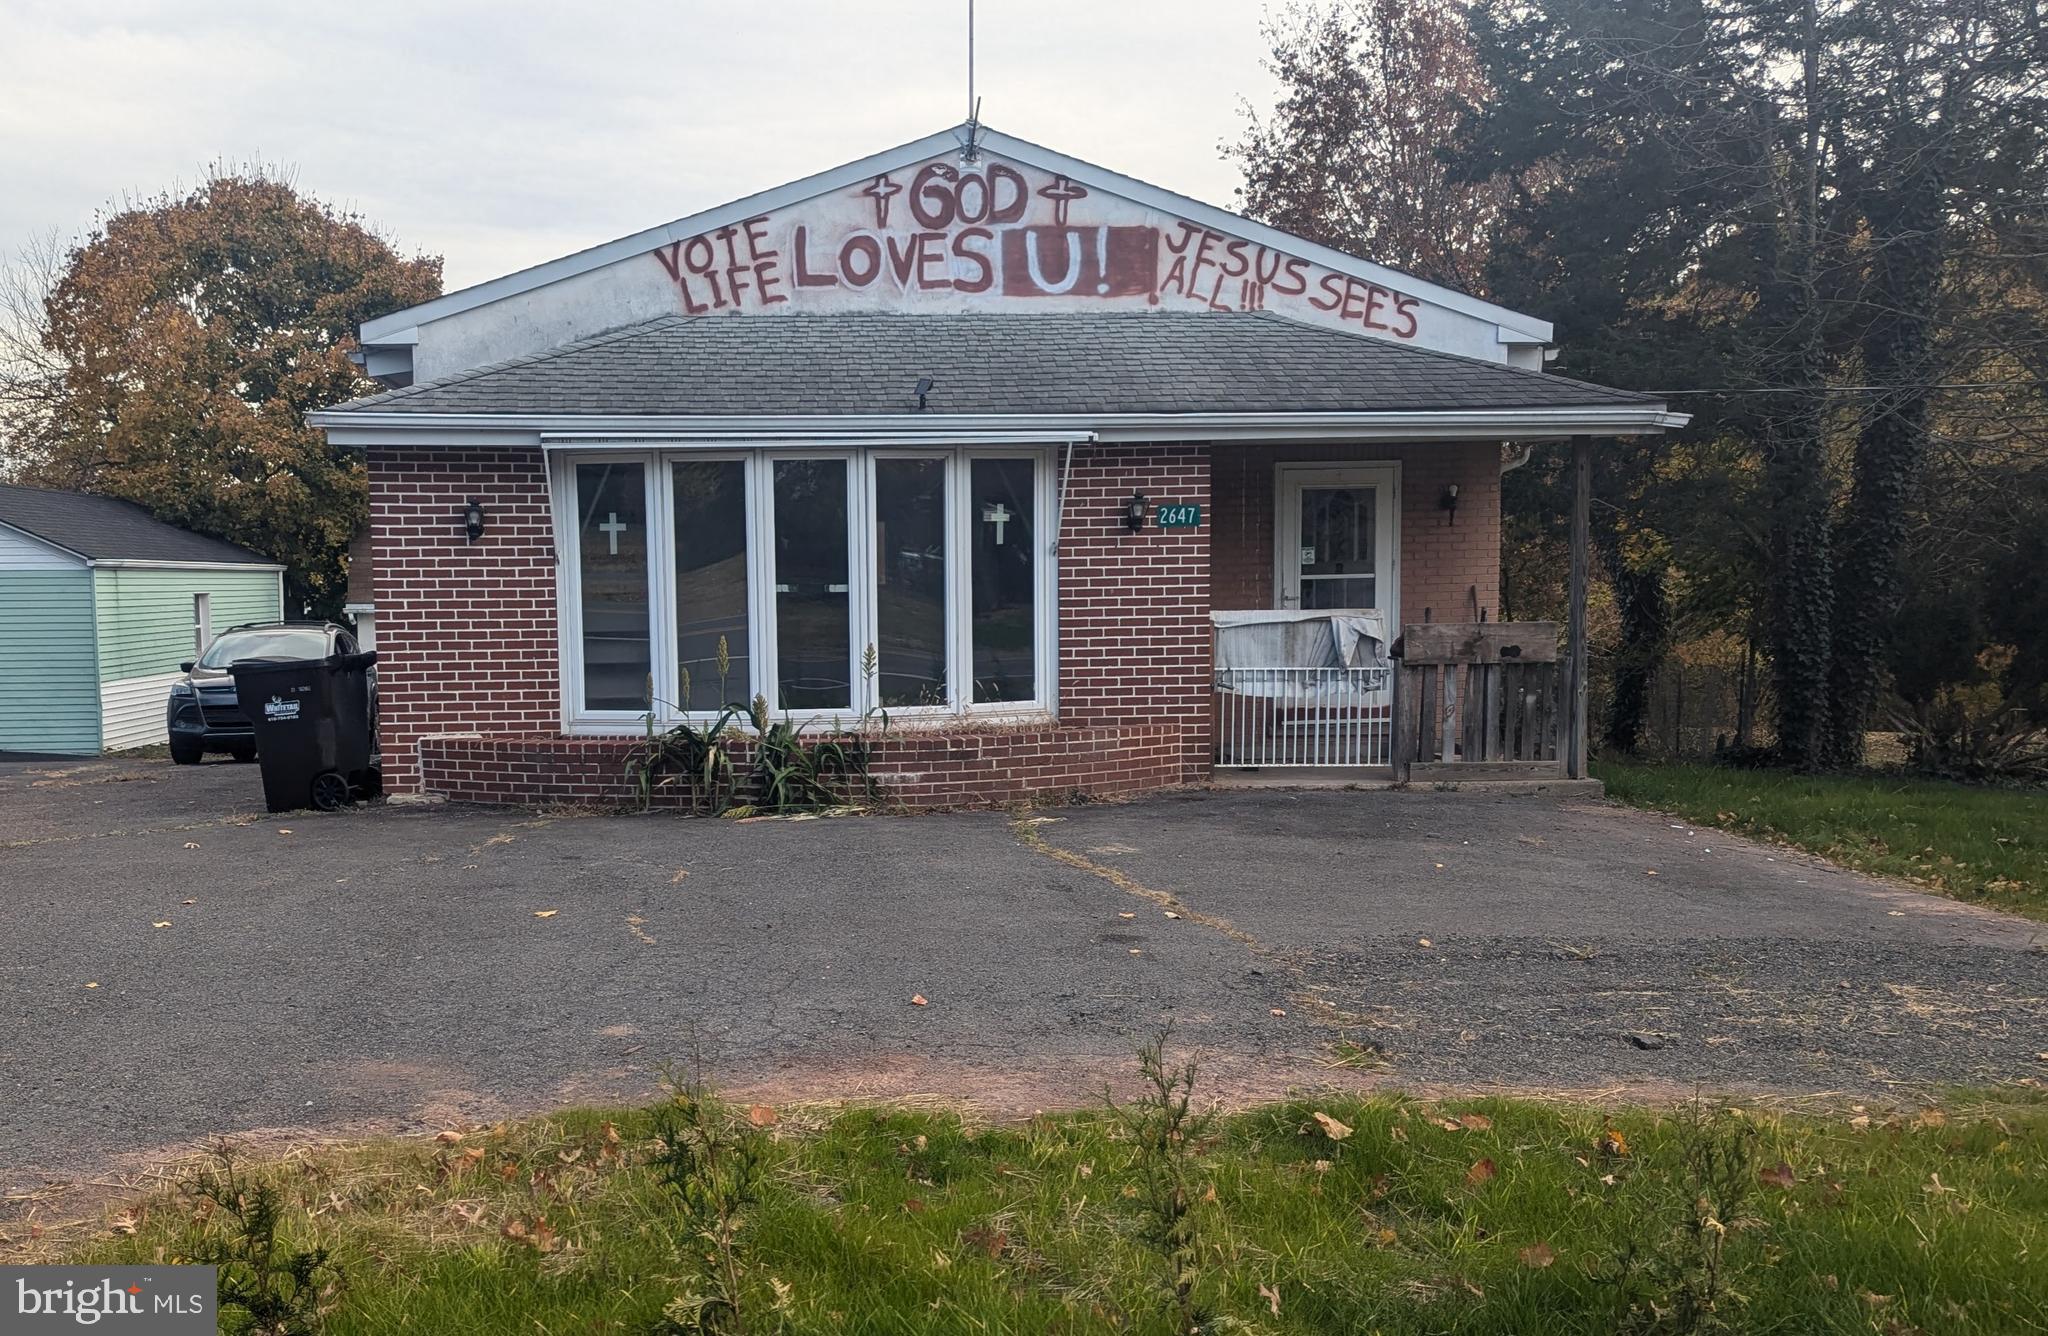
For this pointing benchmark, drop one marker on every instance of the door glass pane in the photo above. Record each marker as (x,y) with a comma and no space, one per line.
(910,547)
(611,536)
(813,619)
(711,584)
(1339,545)
(1005,580)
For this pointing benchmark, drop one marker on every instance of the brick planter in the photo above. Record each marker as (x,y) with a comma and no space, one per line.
(911,769)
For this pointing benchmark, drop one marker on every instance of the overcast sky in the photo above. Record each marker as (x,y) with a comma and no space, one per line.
(500,134)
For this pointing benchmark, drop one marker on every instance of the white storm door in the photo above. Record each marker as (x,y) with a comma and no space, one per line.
(1337,536)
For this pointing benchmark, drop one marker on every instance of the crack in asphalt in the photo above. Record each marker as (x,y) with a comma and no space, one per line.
(1319,1010)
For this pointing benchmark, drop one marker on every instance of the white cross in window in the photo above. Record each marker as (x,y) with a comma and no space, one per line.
(612,529)
(997,515)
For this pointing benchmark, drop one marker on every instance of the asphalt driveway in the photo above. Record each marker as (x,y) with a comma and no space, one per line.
(175,964)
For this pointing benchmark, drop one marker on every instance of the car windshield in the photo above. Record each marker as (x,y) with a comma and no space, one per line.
(275,642)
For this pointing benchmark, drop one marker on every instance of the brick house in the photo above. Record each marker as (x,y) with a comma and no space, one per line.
(1084,485)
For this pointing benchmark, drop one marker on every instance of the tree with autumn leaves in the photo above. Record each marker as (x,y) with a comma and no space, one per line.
(171,357)
(1817,225)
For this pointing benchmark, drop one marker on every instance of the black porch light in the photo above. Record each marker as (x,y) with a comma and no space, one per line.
(924,387)
(473,519)
(1134,512)
(1448,502)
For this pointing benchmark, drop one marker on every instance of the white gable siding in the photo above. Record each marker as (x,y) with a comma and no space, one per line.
(938,235)
(21,553)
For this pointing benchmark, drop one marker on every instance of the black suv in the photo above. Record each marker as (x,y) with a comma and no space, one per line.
(203,715)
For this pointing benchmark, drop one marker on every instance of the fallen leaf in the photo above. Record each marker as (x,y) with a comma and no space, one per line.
(1209,1193)
(1277,1012)
(1537,1256)
(1650,871)
(282,831)
(448,1138)
(1321,1166)
(1482,1172)
(1085,1170)
(161,923)
(191,844)
(124,1223)
(760,1115)
(990,1241)
(1136,952)
(1475,1122)
(1171,914)
(1332,1129)
(680,874)
(92,985)
(1386,1237)
(1931,1118)
(1272,1298)
(546,913)
(1874,1300)
(1424,941)
(188,902)
(1779,1176)
(1124,915)
(1861,1122)
(1612,1142)
(918,1000)
(1449,1124)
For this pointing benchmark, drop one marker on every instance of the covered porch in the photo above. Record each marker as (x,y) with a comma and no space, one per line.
(1355,623)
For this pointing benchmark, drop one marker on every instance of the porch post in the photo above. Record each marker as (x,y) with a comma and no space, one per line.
(1575,671)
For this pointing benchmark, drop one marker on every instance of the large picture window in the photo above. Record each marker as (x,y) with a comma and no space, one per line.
(914,582)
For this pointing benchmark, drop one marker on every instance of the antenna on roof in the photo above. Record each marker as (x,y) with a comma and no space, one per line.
(971,151)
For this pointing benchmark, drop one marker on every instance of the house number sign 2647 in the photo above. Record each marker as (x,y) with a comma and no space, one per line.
(1180,517)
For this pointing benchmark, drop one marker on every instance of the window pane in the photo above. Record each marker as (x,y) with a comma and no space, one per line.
(910,547)
(711,584)
(813,621)
(611,533)
(1339,547)
(1005,580)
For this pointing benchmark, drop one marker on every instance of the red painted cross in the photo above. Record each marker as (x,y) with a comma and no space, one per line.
(1062,192)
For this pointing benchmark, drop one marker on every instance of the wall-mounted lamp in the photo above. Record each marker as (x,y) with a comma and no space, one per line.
(1134,512)
(924,387)
(473,519)
(1448,502)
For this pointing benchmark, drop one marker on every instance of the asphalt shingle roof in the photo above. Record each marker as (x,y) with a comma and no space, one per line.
(105,529)
(1050,364)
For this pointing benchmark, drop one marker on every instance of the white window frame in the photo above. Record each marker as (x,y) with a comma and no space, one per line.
(569,587)
(863,564)
(1289,478)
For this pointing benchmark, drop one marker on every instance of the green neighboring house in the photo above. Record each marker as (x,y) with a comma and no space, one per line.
(99,605)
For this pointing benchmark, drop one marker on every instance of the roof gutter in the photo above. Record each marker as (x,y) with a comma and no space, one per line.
(367,428)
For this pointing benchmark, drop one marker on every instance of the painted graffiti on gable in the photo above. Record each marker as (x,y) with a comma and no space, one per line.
(953,234)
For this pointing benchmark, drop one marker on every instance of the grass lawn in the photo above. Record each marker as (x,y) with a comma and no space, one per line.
(1981,844)
(1396,1217)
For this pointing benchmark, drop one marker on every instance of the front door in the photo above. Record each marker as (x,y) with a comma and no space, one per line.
(1337,542)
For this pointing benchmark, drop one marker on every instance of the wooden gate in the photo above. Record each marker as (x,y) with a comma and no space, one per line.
(1479,701)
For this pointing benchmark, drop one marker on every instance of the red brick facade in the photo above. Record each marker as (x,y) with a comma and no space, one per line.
(466,633)
(1135,641)
(1451,571)
(913,769)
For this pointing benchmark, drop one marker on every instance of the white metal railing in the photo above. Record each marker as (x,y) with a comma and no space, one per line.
(1303,717)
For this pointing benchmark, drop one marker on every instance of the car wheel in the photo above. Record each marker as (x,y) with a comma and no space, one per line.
(330,791)
(185,753)
(243,754)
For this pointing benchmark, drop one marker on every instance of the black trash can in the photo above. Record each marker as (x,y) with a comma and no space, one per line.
(316,728)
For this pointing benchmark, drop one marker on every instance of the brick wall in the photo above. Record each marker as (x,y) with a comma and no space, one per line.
(1135,642)
(1450,569)
(920,770)
(465,631)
